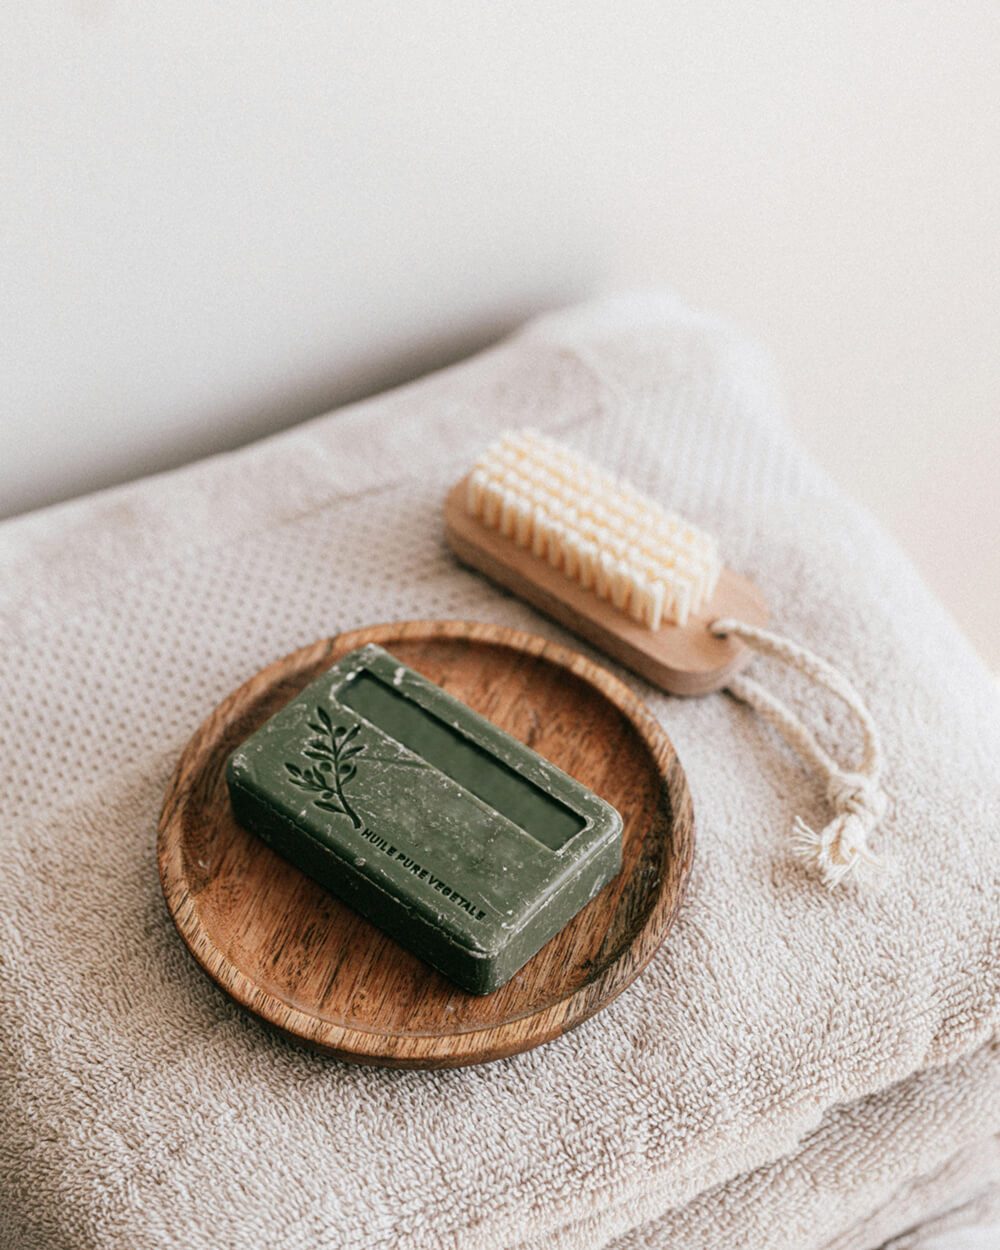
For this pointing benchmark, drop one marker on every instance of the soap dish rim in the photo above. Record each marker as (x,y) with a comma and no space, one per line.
(481,1042)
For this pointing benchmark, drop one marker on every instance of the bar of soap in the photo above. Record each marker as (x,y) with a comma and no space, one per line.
(465,845)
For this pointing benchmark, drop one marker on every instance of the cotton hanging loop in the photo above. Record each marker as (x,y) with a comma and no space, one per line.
(855,796)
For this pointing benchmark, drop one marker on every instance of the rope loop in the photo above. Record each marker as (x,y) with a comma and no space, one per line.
(855,796)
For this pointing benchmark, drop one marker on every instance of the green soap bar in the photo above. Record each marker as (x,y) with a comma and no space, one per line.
(462,843)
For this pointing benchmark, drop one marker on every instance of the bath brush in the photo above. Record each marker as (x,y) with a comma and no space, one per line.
(652,590)
(639,582)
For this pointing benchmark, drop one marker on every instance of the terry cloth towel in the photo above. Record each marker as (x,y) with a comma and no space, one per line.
(796,1068)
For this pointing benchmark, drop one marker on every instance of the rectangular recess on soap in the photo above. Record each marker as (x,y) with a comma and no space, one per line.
(492,781)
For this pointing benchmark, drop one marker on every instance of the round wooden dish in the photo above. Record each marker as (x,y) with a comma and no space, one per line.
(289,952)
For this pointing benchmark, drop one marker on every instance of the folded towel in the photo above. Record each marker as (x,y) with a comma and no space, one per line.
(796,1068)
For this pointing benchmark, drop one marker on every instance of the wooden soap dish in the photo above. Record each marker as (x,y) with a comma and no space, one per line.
(684,660)
(293,955)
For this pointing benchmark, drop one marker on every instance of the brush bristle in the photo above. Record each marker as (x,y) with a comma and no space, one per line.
(601,533)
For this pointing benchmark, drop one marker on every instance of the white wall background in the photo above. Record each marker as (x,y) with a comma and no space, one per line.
(217,219)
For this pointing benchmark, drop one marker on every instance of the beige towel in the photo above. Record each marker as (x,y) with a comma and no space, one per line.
(796,1068)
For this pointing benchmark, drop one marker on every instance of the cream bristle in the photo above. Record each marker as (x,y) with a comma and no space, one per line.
(555,544)
(588,564)
(683,602)
(538,531)
(474,492)
(522,527)
(571,557)
(638,602)
(605,574)
(621,586)
(492,499)
(508,514)
(598,531)
(656,606)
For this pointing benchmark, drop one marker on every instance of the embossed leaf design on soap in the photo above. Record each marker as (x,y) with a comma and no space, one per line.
(333,748)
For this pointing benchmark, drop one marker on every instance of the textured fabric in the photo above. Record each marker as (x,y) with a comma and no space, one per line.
(795,1068)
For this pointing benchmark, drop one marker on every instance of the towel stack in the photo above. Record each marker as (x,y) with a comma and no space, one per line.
(796,1068)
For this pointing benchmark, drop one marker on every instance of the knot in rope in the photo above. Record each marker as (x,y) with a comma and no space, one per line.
(842,846)
(856,795)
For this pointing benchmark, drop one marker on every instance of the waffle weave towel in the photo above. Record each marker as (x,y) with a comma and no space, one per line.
(795,1069)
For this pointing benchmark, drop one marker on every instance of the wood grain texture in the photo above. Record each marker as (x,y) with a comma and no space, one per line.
(684,660)
(292,954)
